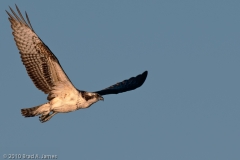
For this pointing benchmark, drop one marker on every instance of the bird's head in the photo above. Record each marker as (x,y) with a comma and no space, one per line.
(91,97)
(99,97)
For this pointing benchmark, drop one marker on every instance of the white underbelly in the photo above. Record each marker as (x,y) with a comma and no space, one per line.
(63,105)
(65,108)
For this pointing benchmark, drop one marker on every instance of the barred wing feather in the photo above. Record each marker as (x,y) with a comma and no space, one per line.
(41,64)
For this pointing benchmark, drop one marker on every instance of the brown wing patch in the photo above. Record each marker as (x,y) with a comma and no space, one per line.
(35,66)
(41,64)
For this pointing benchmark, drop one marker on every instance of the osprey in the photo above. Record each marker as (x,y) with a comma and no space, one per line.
(48,76)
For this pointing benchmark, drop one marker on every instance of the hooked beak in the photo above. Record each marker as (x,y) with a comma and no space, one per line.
(101,98)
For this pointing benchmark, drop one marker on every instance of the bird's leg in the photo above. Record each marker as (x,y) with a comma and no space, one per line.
(45,118)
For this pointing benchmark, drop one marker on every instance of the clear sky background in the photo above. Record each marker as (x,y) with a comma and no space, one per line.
(188,108)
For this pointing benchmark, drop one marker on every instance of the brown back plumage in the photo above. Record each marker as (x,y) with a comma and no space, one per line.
(41,64)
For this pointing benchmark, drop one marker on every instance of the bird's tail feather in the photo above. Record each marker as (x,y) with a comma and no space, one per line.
(29,112)
(35,111)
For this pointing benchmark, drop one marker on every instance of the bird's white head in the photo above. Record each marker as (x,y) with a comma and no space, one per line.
(90,98)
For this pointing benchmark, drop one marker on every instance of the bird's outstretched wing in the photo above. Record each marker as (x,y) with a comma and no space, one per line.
(126,85)
(41,64)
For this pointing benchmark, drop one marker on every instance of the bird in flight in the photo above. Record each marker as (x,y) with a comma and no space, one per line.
(48,76)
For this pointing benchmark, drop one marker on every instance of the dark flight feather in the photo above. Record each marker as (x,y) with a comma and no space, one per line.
(126,85)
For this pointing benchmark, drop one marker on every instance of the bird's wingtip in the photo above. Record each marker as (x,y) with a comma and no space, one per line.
(145,74)
(143,77)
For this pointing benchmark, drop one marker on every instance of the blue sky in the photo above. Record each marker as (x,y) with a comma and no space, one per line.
(188,107)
